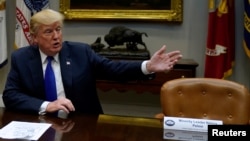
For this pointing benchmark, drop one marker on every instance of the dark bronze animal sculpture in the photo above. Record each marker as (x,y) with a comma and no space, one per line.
(120,35)
(97,45)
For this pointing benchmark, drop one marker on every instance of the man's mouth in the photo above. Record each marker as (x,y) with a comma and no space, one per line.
(56,44)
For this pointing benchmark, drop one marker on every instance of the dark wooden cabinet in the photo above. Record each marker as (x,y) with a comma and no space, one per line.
(183,68)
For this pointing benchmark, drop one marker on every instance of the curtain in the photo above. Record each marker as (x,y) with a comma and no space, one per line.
(3,34)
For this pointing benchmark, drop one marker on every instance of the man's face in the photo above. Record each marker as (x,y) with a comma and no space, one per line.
(49,38)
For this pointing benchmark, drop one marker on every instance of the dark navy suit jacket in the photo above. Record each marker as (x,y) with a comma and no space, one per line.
(80,67)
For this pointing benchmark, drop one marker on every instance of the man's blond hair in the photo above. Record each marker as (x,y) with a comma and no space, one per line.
(45,17)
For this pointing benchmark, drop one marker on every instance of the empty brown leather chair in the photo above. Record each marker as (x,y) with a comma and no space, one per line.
(206,98)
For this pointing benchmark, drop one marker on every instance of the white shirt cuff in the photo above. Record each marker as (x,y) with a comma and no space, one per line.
(144,68)
(42,110)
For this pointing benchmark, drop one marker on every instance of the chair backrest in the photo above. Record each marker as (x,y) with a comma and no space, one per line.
(206,98)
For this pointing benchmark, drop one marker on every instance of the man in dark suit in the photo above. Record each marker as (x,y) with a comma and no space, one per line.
(76,67)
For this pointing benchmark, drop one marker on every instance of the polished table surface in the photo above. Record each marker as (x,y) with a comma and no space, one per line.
(91,128)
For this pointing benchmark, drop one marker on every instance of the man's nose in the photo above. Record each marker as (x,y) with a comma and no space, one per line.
(56,34)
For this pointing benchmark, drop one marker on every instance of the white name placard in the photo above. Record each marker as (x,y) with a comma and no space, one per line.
(182,135)
(189,124)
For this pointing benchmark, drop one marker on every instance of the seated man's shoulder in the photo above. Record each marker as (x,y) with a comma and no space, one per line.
(75,44)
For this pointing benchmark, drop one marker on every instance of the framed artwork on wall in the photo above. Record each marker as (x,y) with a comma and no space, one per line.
(134,10)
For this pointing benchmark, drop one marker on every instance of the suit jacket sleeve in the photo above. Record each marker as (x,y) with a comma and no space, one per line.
(24,86)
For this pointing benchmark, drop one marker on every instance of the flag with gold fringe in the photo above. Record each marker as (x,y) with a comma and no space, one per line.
(220,50)
(246,41)
(3,34)
(24,10)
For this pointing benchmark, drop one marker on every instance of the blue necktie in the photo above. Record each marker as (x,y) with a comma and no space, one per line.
(50,81)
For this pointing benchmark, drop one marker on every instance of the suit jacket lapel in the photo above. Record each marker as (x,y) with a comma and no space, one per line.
(36,69)
(66,68)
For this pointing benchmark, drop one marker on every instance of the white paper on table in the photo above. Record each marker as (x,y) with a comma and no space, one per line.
(23,130)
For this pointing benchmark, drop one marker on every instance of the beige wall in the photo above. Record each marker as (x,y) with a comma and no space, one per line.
(189,37)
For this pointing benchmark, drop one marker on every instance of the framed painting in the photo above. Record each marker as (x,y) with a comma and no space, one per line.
(135,10)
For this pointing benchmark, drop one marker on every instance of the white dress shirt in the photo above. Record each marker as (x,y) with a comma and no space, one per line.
(57,71)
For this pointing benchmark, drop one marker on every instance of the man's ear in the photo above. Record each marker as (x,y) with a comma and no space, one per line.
(34,40)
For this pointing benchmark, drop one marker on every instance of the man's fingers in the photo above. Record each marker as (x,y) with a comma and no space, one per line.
(161,50)
(174,53)
(67,104)
(68,107)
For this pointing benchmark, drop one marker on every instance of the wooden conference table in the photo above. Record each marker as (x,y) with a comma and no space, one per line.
(92,128)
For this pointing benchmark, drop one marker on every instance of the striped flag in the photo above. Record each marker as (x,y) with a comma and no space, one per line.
(24,10)
(246,41)
(3,34)
(220,50)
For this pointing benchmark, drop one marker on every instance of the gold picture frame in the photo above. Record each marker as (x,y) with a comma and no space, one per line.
(173,14)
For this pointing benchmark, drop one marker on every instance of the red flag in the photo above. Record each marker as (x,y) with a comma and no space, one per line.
(220,39)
